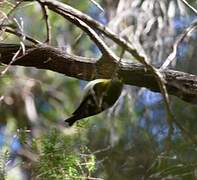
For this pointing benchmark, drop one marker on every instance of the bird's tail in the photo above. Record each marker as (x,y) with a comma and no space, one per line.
(71,120)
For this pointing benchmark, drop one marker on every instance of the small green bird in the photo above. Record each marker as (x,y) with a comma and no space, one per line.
(99,95)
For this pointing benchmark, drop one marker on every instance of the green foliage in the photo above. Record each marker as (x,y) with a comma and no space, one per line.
(119,144)
(59,159)
(4,155)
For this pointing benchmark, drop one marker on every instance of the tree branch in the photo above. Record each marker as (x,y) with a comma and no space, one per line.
(180,84)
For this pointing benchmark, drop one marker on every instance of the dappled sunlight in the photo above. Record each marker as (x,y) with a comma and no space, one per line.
(126,124)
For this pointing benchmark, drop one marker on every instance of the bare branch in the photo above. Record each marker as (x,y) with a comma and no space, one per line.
(46,18)
(180,84)
(19,34)
(190,6)
(97,5)
(91,33)
(173,54)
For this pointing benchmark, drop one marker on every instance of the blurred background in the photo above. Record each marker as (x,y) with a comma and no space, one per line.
(129,141)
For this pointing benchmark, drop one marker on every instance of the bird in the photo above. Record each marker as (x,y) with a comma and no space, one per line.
(99,95)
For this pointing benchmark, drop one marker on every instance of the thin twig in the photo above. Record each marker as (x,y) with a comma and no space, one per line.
(46,18)
(97,5)
(173,54)
(20,26)
(11,11)
(91,33)
(190,6)
(10,63)
(185,132)
(19,34)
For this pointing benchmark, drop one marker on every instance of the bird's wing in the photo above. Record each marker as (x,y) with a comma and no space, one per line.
(92,93)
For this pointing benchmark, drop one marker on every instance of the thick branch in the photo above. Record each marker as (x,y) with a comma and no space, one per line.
(180,84)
